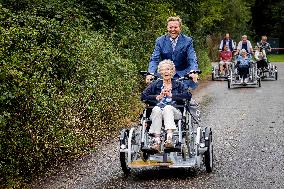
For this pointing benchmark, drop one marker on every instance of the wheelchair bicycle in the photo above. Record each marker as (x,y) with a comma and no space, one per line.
(266,69)
(216,70)
(216,73)
(235,80)
(193,146)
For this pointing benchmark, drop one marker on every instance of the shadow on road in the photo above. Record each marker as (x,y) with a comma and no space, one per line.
(160,173)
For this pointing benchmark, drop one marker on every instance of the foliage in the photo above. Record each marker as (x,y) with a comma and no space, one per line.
(210,20)
(55,90)
(268,19)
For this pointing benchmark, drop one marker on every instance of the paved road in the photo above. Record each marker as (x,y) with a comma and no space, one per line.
(248,131)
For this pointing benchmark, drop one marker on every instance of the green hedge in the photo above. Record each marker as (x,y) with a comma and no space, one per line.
(59,86)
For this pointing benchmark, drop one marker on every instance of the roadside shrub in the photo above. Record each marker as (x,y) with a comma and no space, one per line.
(60,86)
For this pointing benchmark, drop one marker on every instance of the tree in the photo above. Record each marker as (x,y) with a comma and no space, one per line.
(268,19)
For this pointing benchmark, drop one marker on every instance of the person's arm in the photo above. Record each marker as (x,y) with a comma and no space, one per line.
(268,47)
(148,93)
(239,47)
(233,45)
(155,58)
(221,45)
(237,59)
(250,47)
(256,55)
(191,56)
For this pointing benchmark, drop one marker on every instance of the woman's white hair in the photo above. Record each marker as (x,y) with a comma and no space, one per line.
(170,63)
(243,50)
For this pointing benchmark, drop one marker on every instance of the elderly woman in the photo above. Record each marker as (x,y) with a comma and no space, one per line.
(225,59)
(261,59)
(164,93)
(243,63)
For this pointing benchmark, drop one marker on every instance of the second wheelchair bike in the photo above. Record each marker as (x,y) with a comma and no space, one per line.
(266,69)
(235,80)
(216,72)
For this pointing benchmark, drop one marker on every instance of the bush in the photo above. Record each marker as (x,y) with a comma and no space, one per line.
(60,85)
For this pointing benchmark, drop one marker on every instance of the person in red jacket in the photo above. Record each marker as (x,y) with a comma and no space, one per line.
(225,59)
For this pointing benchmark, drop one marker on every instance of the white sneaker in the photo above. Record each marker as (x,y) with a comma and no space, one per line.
(242,80)
(246,80)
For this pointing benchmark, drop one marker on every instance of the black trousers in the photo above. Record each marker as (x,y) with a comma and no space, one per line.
(243,70)
(262,64)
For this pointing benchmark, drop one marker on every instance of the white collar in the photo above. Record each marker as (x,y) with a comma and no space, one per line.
(175,40)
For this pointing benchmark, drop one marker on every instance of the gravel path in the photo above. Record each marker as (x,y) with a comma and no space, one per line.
(248,135)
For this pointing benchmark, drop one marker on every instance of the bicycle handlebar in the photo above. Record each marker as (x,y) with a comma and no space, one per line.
(185,77)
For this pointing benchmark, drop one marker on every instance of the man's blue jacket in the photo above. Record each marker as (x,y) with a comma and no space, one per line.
(184,56)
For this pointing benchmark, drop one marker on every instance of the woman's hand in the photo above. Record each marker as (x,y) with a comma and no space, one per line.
(164,93)
(167,93)
(159,97)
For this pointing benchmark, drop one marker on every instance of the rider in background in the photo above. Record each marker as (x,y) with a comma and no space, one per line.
(242,64)
(227,41)
(264,44)
(178,48)
(263,47)
(245,44)
(225,58)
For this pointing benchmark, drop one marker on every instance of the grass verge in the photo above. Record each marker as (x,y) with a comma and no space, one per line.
(276,57)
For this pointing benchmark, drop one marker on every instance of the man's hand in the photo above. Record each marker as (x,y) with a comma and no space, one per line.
(236,52)
(164,93)
(149,78)
(194,77)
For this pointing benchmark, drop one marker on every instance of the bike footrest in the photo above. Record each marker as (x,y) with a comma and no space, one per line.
(149,150)
(177,148)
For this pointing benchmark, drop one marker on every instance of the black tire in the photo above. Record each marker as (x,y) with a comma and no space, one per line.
(123,155)
(276,75)
(213,78)
(229,83)
(259,82)
(145,156)
(208,155)
(123,163)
